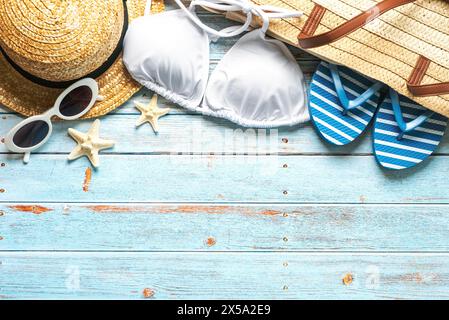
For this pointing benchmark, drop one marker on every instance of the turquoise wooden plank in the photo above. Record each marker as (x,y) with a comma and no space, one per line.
(187,227)
(223,275)
(189,134)
(213,178)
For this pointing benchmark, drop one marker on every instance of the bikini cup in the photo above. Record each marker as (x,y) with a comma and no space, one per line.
(169,54)
(258,83)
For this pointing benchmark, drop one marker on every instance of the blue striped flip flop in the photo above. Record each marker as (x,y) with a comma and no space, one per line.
(405,134)
(342,103)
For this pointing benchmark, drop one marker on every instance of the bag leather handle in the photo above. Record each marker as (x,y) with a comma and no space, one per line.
(307,40)
(423,90)
(310,41)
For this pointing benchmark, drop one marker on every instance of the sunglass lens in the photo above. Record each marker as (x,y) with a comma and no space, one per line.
(76,101)
(31,134)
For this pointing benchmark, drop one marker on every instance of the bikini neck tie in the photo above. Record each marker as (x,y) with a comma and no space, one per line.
(265,12)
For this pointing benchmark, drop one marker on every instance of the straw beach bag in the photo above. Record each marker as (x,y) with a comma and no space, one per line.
(402,43)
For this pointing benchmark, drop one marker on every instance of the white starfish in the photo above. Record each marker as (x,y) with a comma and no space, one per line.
(89,144)
(151,113)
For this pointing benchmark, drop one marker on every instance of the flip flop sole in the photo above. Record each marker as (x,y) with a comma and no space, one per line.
(327,112)
(416,146)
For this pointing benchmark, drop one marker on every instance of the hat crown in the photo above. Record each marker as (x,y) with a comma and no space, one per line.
(60,40)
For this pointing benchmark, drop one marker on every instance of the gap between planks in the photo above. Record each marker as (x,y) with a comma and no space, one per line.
(315,253)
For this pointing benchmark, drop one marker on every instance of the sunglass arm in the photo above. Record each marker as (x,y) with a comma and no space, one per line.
(26,157)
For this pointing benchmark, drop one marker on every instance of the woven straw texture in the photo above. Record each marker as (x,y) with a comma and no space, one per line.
(387,49)
(62,40)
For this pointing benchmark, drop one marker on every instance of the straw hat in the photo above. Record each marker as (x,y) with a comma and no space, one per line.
(389,48)
(45,45)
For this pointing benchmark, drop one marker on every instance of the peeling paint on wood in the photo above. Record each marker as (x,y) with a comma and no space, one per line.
(33,209)
(348,279)
(112,208)
(211,241)
(417,277)
(148,293)
(87,178)
(270,212)
(196,209)
(186,209)
(412,277)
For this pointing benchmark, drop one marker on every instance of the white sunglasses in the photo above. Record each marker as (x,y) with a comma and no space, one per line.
(72,103)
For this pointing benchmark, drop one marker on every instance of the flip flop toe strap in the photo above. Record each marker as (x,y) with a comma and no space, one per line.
(347,104)
(403,125)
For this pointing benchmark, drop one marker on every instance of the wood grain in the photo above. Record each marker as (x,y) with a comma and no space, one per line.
(227,227)
(186,134)
(175,275)
(213,178)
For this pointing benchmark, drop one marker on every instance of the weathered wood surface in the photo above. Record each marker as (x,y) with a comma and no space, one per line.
(188,215)
(174,275)
(227,227)
(195,134)
(212,178)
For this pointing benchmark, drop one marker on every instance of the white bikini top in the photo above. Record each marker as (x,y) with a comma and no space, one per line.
(258,83)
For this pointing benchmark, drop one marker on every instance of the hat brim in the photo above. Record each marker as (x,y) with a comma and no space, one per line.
(28,98)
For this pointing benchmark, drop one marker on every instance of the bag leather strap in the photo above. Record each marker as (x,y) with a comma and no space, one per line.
(423,90)
(308,40)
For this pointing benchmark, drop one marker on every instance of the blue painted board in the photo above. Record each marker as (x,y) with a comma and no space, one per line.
(225,227)
(186,134)
(175,275)
(214,178)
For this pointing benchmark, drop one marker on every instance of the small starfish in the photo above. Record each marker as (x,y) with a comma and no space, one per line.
(89,144)
(151,113)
